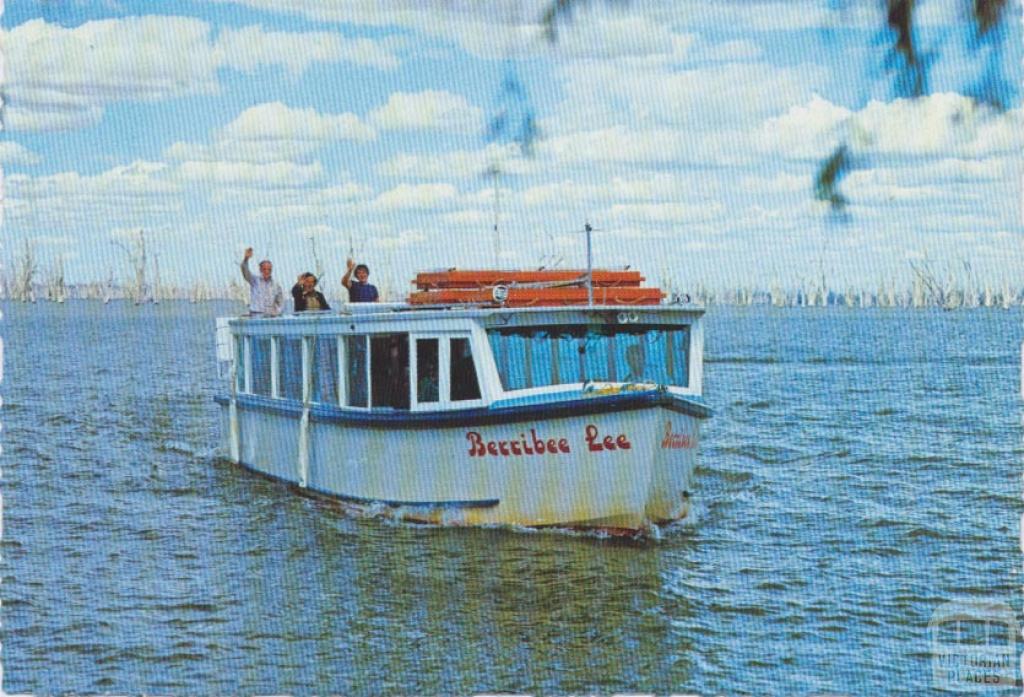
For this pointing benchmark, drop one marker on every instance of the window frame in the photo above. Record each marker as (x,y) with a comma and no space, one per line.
(414,372)
(444,402)
(474,356)
(502,357)
(343,371)
(278,369)
(247,378)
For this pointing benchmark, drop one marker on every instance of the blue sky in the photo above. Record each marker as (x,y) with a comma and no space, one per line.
(688,135)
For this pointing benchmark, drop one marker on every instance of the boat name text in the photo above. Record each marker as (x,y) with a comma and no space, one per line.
(535,445)
(676,441)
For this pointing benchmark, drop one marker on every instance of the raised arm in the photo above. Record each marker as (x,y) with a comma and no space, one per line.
(246,273)
(346,280)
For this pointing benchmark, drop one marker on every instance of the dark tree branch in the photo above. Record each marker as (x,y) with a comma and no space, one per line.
(988,14)
(826,183)
(561,11)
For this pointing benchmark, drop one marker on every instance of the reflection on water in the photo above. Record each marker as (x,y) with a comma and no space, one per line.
(860,471)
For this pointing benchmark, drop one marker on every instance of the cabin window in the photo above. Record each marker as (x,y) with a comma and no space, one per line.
(289,364)
(356,386)
(261,365)
(325,370)
(239,363)
(428,373)
(540,356)
(464,385)
(389,369)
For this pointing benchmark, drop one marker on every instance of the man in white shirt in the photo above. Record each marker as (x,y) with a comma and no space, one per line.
(265,295)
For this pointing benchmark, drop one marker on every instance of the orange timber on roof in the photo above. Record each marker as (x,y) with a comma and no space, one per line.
(532,288)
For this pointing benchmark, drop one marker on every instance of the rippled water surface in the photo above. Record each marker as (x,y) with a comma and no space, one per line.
(863,467)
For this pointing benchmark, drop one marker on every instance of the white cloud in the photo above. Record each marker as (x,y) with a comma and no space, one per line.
(299,206)
(341,193)
(138,179)
(867,188)
(416,196)
(276,121)
(12,153)
(954,169)
(406,238)
(772,15)
(282,215)
(937,125)
(273,132)
(484,29)
(428,110)
(468,217)
(253,47)
(125,193)
(781,183)
(61,78)
(658,186)
(701,99)
(617,36)
(269,175)
(666,212)
(736,50)
(559,192)
(810,130)
(460,164)
(487,29)
(619,144)
(255,150)
(947,172)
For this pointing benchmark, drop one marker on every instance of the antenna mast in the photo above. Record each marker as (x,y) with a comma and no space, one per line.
(497,216)
(590,266)
(318,265)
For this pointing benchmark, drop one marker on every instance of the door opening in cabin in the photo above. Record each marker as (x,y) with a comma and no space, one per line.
(389,369)
(464,385)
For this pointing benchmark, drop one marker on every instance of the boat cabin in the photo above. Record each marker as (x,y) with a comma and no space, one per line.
(404,357)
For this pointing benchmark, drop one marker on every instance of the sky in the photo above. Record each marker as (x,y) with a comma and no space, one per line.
(688,134)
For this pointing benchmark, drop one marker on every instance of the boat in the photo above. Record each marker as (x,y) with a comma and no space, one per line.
(484,399)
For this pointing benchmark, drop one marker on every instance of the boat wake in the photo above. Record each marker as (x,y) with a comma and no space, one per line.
(420,519)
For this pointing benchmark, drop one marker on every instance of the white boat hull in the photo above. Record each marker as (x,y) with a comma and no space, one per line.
(614,470)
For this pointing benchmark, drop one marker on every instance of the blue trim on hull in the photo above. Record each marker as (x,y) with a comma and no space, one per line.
(347,498)
(373,418)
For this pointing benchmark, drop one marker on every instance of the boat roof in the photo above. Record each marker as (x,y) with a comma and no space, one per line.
(373,313)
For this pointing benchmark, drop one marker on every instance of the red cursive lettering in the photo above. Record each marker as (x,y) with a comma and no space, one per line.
(538,444)
(523,446)
(597,444)
(675,441)
(526,446)
(476,444)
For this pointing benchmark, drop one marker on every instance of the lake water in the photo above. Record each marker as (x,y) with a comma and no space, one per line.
(863,468)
